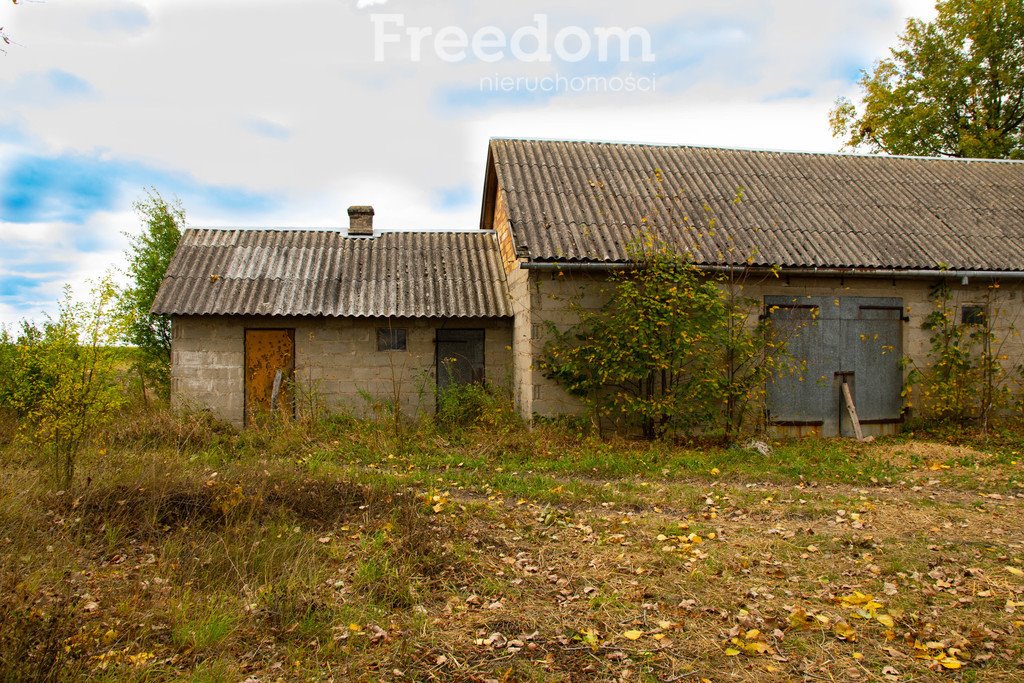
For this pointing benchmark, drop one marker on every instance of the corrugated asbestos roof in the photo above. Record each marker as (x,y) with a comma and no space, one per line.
(583,201)
(319,273)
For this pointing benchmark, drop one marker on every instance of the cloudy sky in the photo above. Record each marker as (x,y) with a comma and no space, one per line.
(274,113)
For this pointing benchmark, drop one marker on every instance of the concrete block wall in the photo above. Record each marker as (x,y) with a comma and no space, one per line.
(522,342)
(553,296)
(555,299)
(336,361)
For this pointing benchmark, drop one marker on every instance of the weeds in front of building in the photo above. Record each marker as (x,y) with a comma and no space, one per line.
(969,379)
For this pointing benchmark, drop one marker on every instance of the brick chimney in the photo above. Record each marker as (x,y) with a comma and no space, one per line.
(360,221)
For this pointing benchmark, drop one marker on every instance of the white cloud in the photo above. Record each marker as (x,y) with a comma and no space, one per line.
(286,99)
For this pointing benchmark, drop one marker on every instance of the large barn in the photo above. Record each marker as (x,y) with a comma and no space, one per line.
(355,317)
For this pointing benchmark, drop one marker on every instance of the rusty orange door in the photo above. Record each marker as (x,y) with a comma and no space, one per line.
(269,366)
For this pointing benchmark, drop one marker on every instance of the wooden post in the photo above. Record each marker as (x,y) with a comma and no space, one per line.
(276,391)
(852,410)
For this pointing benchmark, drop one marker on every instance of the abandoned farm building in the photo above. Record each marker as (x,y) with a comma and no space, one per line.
(363,317)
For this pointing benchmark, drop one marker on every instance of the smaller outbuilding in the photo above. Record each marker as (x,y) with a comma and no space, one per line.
(285,320)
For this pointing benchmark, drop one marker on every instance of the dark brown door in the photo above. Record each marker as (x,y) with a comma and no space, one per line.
(269,367)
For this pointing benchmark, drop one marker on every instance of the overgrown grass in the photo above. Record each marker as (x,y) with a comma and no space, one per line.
(348,550)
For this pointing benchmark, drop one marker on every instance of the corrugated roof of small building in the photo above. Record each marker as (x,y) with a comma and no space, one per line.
(262,272)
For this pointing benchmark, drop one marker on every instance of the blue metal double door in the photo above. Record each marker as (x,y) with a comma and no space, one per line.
(856,340)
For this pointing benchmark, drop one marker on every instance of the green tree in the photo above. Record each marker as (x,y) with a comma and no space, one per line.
(951,87)
(148,255)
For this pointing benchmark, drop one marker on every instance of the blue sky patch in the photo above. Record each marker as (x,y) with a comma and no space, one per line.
(63,188)
(45,88)
(70,188)
(796,93)
(267,129)
(460,196)
(15,286)
(129,19)
(11,132)
(68,84)
(849,69)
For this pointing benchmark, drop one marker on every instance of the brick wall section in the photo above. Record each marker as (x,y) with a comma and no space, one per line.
(336,360)
(506,245)
(552,298)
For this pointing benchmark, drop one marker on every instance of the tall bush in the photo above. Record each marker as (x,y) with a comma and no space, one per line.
(64,376)
(965,379)
(673,350)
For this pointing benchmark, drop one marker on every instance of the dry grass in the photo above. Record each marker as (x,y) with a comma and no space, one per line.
(341,552)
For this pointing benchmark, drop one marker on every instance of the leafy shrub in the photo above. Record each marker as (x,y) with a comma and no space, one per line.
(671,352)
(66,377)
(965,379)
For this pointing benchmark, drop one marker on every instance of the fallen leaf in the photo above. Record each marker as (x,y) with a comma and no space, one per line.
(843,631)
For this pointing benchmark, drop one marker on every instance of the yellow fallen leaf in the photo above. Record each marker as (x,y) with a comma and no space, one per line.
(800,619)
(843,631)
(885,620)
(857,598)
(633,635)
(1016,571)
(731,652)
(950,662)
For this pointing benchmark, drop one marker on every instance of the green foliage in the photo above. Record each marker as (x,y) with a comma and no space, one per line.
(965,379)
(466,406)
(673,350)
(949,383)
(24,381)
(951,87)
(64,377)
(148,255)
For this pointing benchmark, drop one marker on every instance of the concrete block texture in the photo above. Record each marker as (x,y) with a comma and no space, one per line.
(337,362)
(548,298)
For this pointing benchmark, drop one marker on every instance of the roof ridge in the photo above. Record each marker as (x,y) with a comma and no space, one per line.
(756,150)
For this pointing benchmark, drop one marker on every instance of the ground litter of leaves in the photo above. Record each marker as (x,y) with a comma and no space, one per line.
(660,578)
